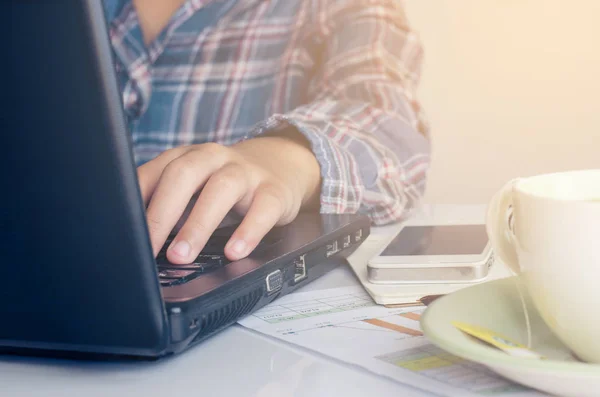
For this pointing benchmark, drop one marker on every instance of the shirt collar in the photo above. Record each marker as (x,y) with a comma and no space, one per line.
(112,8)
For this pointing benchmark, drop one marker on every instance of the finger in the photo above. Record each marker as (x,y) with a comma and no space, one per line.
(220,193)
(149,173)
(179,181)
(267,209)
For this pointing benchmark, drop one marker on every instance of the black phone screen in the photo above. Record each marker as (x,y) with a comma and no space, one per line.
(438,240)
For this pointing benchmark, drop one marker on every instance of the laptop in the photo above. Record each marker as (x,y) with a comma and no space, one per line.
(79,275)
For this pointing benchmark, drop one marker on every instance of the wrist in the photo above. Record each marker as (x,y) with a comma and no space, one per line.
(288,156)
(290,133)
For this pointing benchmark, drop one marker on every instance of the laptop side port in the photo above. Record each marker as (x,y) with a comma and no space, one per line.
(347,242)
(332,248)
(358,235)
(274,281)
(299,269)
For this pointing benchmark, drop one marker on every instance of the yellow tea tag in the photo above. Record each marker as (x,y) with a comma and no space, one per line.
(499,341)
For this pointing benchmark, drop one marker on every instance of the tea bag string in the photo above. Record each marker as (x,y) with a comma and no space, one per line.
(525,311)
(518,282)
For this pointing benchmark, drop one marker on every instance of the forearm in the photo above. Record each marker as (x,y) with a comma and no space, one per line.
(362,120)
(371,162)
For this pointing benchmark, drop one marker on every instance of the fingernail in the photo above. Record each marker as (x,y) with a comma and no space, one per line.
(181,248)
(239,247)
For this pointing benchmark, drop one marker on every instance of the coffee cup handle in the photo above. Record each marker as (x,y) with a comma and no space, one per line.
(499,228)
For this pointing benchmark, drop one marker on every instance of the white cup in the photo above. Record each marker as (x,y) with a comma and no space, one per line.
(547,229)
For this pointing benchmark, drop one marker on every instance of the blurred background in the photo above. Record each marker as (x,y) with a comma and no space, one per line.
(511,88)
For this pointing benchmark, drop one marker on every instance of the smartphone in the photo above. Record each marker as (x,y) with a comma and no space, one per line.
(433,254)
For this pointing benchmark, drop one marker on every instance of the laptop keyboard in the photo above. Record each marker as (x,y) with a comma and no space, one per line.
(211,258)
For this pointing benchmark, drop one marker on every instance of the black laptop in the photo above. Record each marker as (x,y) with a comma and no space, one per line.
(78,273)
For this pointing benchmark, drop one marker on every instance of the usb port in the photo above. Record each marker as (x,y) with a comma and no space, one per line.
(332,248)
(299,269)
(358,235)
(347,241)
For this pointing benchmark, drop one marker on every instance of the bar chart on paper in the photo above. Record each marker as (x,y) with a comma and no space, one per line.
(345,324)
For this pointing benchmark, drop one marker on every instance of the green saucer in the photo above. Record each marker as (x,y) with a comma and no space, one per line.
(496,305)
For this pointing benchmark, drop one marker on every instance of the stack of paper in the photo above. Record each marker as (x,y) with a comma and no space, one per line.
(345,324)
(409,294)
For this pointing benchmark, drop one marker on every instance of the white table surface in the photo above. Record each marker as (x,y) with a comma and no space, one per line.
(235,362)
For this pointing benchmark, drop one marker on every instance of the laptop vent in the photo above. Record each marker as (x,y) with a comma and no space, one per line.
(228,314)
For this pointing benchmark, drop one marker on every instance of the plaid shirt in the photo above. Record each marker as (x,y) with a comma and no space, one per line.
(343,73)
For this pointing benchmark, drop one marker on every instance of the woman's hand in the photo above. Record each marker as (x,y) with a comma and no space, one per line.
(265,179)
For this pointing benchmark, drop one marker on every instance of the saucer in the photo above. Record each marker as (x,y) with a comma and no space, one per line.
(496,305)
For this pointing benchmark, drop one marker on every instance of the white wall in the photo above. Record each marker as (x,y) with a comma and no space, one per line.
(511,88)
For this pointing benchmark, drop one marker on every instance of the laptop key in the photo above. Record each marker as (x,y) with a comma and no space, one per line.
(195,267)
(165,264)
(215,245)
(167,282)
(174,273)
(211,259)
(170,277)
